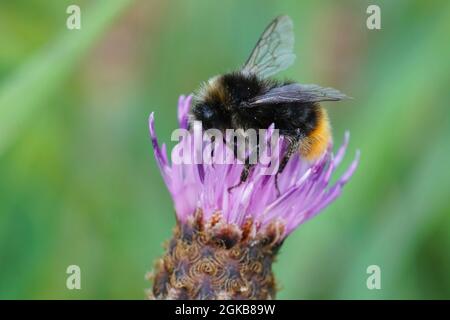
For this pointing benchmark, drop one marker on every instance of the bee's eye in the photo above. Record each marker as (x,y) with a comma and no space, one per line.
(209,115)
(206,111)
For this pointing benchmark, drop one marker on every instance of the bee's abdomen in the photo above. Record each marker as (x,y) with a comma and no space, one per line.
(316,142)
(304,122)
(290,118)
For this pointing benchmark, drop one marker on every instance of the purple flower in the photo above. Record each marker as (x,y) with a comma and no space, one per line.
(305,187)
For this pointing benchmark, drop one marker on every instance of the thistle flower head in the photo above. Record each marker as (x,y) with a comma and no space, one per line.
(225,241)
(305,187)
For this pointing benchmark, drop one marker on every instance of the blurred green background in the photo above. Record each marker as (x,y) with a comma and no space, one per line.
(79,185)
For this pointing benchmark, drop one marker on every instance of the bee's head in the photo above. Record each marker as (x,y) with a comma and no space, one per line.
(209,115)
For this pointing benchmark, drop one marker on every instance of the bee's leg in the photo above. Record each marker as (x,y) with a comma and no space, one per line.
(244,175)
(292,149)
(247,168)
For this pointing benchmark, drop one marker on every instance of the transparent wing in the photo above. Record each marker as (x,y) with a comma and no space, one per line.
(296,92)
(274,50)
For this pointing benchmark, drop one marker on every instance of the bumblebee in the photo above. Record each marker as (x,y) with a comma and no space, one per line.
(250,98)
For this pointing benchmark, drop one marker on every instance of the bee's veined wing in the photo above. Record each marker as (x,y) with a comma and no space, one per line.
(296,92)
(274,50)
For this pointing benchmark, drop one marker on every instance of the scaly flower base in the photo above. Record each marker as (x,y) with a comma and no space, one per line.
(217,261)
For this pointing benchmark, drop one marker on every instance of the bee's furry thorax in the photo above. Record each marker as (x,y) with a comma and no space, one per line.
(232,89)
